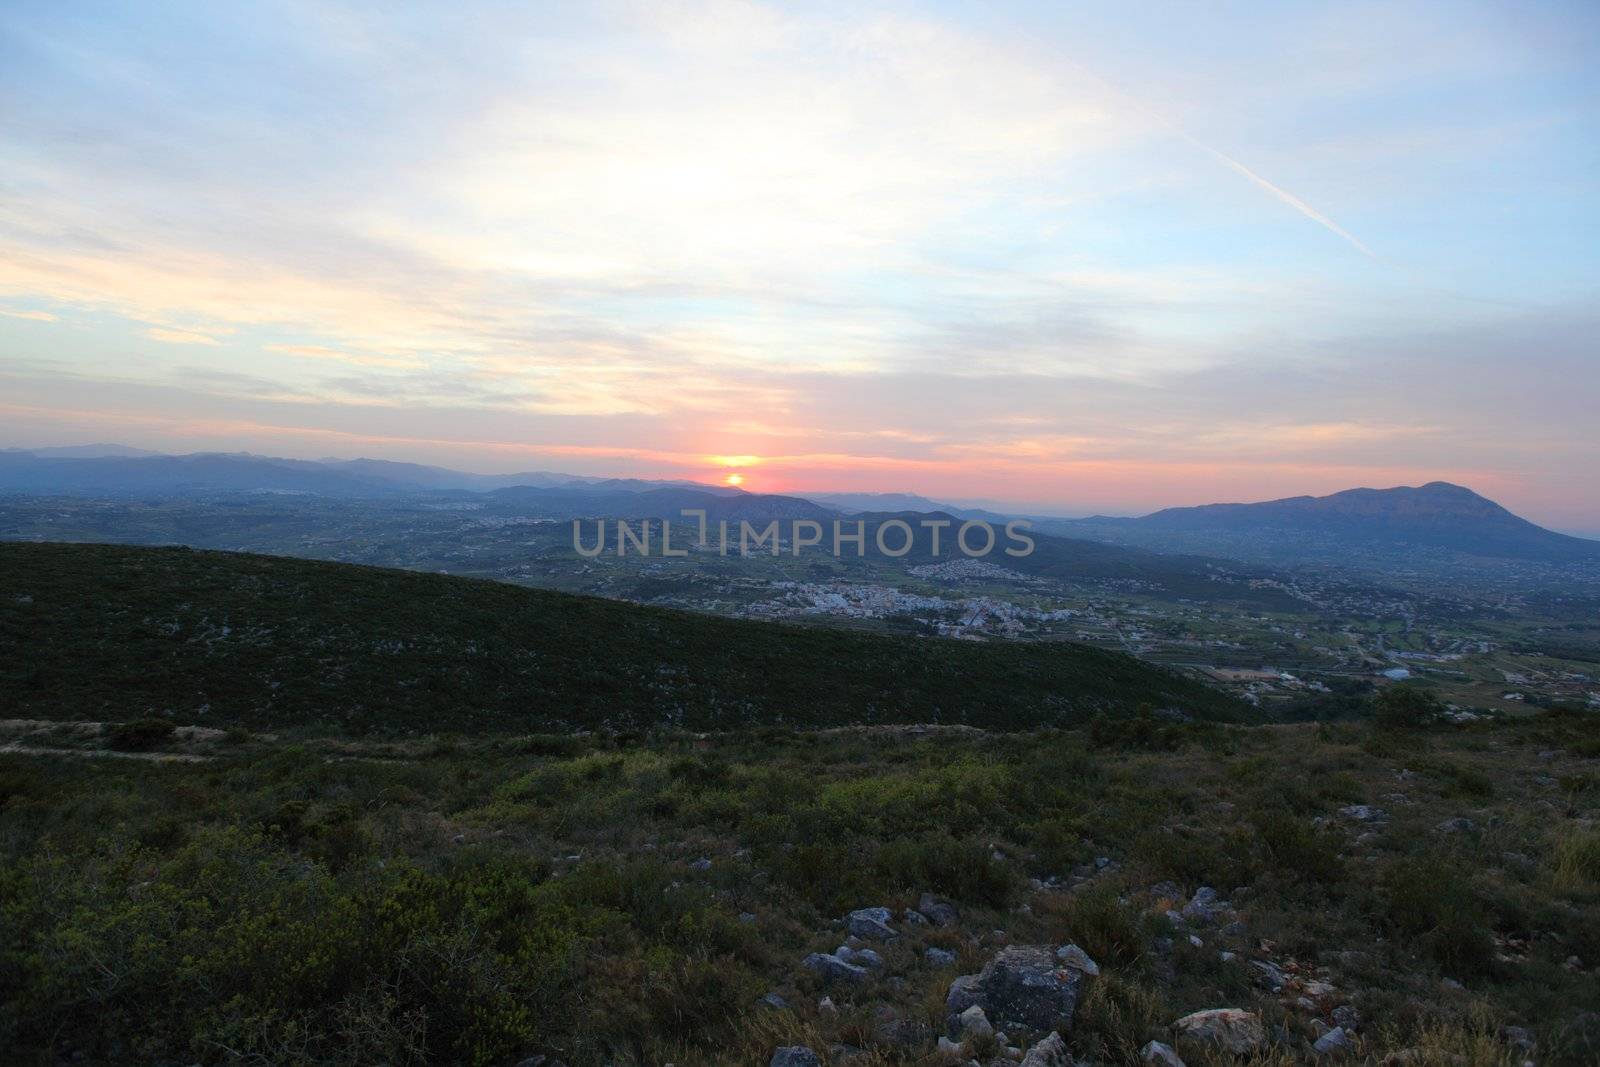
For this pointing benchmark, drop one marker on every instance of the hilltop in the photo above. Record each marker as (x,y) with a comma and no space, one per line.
(100,631)
(1438,518)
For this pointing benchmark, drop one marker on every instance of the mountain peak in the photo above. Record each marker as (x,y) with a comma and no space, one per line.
(1437,514)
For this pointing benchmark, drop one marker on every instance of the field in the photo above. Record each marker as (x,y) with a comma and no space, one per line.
(209,896)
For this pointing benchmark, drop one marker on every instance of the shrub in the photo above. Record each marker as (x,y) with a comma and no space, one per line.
(139,735)
(1576,860)
(1115,1020)
(1295,848)
(1405,707)
(1111,931)
(1429,901)
(962,870)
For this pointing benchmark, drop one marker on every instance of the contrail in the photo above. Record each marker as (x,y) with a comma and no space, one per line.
(1281,195)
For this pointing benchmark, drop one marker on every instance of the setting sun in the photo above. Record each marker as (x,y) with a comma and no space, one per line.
(735,479)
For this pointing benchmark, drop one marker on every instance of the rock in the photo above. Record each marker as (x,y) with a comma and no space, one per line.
(913,917)
(940,957)
(974,1023)
(948,1047)
(1204,906)
(1363,813)
(1457,825)
(1227,957)
(1160,1055)
(1229,1029)
(833,969)
(1023,984)
(1051,1052)
(1269,975)
(747,917)
(938,909)
(1333,1042)
(794,1056)
(871,923)
(1232,930)
(701,864)
(963,994)
(827,1009)
(1167,891)
(865,957)
(1073,956)
(1346,1016)
(1520,1036)
(775,1001)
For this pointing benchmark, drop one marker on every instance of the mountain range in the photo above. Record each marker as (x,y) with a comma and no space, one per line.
(1437,520)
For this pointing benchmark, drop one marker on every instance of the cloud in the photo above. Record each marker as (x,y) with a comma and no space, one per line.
(179,337)
(361,359)
(916,241)
(39,316)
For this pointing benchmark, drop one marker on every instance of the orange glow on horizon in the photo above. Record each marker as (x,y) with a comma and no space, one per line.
(735,479)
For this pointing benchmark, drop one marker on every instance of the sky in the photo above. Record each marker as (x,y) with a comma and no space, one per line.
(1084,257)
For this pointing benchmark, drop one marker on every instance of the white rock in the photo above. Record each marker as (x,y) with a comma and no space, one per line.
(1073,956)
(974,1023)
(1229,1029)
(1160,1055)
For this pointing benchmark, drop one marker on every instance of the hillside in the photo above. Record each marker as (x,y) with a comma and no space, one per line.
(1438,517)
(98,631)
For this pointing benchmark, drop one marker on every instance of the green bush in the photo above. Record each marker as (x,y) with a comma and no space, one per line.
(1429,901)
(1405,707)
(1295,848)
(139,735)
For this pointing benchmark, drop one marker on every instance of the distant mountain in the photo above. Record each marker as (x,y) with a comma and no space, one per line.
(99,451)
(1431,519)
(102,631)
(202,472)
(595,501)
(119,470)
(853,503)
(419,476)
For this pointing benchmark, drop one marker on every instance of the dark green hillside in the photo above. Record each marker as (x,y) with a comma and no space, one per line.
(113,632)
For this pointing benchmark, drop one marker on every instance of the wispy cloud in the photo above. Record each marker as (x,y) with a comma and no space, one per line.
(38,316)
(179,337)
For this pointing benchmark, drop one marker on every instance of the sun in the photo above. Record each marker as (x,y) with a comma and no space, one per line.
(735,479)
